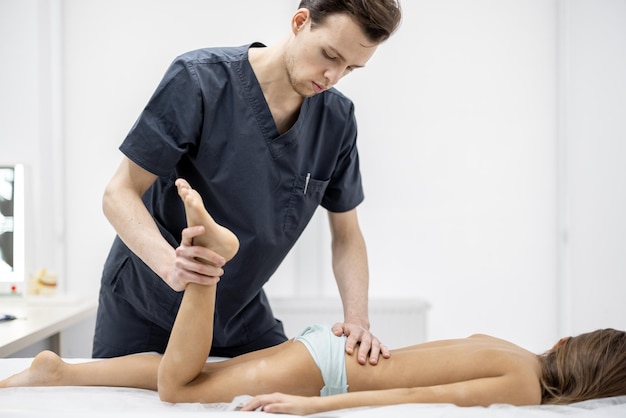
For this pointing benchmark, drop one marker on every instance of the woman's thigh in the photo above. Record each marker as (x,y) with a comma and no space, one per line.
(287,368)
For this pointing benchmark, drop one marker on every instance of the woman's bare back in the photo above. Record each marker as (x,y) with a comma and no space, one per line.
(445,362)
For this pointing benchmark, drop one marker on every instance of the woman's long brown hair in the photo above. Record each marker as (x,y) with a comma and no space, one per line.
(589,366)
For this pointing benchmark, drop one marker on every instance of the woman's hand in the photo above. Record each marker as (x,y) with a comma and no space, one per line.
(280,403)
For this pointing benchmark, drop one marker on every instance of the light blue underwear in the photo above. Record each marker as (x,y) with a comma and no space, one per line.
(329,353)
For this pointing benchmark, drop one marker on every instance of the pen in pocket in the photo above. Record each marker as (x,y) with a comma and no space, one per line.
(306,182)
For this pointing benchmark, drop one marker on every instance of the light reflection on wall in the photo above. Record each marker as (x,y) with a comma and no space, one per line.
(6,219)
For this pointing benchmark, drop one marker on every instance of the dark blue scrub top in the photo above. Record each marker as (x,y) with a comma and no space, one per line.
(208,122)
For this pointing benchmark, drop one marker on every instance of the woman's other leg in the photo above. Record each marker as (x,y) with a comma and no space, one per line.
(48,369)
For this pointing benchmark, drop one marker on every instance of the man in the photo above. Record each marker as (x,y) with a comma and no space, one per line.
(261,134)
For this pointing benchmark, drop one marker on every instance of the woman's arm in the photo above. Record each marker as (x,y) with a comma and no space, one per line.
(510,389)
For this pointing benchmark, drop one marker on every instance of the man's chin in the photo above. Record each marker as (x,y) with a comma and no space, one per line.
(305,93)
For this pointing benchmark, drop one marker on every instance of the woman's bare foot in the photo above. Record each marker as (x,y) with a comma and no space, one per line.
(45,370)
(215,237)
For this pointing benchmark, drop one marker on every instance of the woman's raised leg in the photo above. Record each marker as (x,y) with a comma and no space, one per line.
(192,335)
(184,375)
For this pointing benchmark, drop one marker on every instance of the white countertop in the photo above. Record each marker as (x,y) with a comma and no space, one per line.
(39,318)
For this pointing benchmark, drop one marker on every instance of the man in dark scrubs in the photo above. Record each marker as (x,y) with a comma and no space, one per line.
(263,136)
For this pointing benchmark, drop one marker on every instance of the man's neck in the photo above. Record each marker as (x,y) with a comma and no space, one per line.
(283,101)
(268,65)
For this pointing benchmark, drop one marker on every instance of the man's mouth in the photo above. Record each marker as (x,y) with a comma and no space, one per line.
(318,88)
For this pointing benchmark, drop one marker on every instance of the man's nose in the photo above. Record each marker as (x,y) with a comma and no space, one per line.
(333,75)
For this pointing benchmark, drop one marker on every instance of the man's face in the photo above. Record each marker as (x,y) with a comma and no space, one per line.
(317,59)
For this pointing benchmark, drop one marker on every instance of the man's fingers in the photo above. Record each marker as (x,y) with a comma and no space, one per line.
(190,233)
(384,350)
(351,342)
(375,351)
(364,347)
(338,329)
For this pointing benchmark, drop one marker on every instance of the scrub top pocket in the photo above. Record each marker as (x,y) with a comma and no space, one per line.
(306,195)
(132,280)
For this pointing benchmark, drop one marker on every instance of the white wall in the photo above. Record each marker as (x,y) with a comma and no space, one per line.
(457,138)
(29,115)
(486,129)
(595,164)
(115,54)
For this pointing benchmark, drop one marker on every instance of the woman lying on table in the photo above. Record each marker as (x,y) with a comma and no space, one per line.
(290,377)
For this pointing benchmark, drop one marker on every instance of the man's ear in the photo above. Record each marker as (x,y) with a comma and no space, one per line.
(299,20)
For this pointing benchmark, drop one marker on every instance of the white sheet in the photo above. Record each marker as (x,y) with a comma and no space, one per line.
(101,402)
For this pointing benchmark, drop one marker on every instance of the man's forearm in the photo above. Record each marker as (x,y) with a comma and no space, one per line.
(352,276)
(137,229)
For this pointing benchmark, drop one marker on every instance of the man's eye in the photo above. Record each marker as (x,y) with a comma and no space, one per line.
(328,56)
